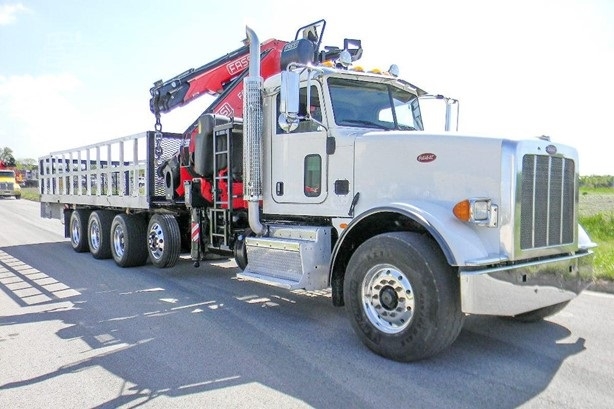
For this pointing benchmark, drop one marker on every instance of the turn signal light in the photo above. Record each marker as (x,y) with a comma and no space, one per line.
(479,211)
(462,211)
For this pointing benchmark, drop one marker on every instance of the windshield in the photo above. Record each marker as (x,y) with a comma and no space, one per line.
(7,173)
(374,105)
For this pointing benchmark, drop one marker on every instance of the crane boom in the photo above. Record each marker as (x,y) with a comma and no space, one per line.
(217,78)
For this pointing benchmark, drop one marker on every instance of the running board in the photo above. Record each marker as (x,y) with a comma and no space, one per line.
(290,257)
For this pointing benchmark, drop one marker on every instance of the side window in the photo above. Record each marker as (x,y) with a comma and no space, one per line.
(312,175)
(314,107)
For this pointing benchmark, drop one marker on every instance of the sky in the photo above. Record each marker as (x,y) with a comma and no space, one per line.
(73,73)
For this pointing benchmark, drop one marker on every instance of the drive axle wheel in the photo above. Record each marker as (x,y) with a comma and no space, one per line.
(402,296)
(163,240)
(128,246)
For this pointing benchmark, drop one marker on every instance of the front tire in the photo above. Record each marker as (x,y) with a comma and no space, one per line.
(163,240)
(402,297)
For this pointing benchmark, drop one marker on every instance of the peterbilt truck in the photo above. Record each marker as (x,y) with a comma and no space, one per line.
(324,178)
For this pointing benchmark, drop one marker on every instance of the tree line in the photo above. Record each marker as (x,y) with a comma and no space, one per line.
(6,156)
(595,181)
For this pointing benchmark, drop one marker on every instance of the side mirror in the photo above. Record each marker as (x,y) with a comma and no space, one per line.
(289,102)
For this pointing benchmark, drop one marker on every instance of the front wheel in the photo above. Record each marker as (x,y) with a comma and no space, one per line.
(402,297)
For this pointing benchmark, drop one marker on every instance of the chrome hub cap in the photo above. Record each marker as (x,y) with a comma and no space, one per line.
(94,235)
(388,298)
(155,241)
(118,241)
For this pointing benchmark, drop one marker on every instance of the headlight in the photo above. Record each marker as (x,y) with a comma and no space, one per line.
(480,211)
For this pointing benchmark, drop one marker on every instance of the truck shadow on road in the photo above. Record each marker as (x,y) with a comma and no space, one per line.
(200,336)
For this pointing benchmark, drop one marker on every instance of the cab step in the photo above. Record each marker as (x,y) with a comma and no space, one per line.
(290,257)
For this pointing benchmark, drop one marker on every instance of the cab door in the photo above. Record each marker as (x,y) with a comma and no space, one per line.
(299,159)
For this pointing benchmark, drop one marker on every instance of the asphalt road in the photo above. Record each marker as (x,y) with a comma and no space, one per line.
(76,332)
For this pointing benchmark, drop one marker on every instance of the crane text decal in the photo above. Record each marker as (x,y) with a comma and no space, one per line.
(239,65)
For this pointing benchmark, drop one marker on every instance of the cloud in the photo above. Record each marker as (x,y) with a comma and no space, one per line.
(8,13)
(32,108)
(41,96)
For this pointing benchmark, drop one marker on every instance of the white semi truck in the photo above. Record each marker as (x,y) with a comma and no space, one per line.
(324,178)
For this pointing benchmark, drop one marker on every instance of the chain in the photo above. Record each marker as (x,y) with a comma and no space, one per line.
(158,138)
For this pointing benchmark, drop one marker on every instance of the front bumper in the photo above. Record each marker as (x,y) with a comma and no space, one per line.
(513,290)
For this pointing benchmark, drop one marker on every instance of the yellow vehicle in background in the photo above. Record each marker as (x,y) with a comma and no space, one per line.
(8,184)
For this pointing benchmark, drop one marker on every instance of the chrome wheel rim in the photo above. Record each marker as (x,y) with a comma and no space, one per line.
(388,298)
(118,241)
(94,235)
(75,233)
(155,241)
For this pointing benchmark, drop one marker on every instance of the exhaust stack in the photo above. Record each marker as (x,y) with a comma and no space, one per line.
(252,135)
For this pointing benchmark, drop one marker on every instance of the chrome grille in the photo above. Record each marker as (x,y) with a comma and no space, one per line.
(547,202)
(7,186)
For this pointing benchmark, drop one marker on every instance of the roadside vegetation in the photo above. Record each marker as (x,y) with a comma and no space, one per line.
(597,217)
(30,193)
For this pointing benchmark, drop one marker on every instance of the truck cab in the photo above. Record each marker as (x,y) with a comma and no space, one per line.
(313,163)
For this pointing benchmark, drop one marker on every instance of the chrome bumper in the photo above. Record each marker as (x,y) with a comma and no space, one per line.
(513,290)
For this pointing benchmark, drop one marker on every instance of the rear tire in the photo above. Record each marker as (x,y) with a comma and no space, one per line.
(163,240)
(128,240)
(78,230)
(402,296)
(99,233)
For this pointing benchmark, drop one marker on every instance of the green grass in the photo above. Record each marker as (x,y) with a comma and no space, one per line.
(597,218)
(30,193)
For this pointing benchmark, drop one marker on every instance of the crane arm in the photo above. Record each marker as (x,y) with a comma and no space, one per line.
(212,78)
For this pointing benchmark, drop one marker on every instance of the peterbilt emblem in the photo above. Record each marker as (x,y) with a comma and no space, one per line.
(551,149)
(426,157)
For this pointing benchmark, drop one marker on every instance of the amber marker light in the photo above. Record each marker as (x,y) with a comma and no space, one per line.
(462,210)
(480,211)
